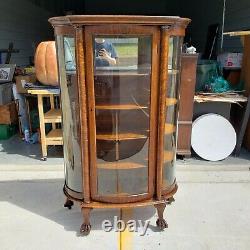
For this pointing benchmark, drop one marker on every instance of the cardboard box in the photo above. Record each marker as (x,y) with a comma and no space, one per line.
(8,113)
(27,78)
(230,60)
(5,93)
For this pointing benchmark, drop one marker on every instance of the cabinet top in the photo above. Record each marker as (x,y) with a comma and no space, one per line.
(76,20)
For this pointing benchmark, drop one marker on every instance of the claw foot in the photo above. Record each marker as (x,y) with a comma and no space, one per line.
(161,224)
(85,229)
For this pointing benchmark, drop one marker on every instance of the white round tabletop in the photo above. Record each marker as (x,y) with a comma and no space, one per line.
(213,137)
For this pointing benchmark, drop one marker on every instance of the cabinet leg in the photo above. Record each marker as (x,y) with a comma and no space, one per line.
(161,223)
(68,203)
(85,227)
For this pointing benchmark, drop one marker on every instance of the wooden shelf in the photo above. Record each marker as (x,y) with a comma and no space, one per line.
(120,136)
(168,156)
(120,165)
(53,115)
(119,107)
(52,91)
(171,101)
(54,137)
(169,128)
(120,73)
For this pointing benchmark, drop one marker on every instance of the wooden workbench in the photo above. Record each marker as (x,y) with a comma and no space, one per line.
(230,98)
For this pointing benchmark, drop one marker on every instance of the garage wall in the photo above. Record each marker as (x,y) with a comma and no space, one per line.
(60,7)
(24,24)
(202,13)
(132,7)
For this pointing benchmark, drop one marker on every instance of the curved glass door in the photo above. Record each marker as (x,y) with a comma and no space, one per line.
(122,68)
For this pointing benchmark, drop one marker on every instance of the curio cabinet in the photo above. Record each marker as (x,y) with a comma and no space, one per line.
(119,78)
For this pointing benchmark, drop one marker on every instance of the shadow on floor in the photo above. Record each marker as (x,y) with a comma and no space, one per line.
(242,159)
(45,198)
(16,146)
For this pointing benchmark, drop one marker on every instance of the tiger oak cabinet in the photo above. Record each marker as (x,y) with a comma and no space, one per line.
(119,78)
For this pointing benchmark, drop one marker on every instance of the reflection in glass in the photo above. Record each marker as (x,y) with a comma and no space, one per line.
(69,53)
(105,53)
(70,111)
(171,111)
(122,73)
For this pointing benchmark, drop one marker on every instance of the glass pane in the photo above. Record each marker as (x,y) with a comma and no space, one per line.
(70,111)
(171,111)
(69,53)
(122,73)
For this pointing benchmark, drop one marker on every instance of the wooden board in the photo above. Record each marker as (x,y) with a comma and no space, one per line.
(54,137)
(44,91)
(125,20)
(229,98)
(53,115)
(238,33)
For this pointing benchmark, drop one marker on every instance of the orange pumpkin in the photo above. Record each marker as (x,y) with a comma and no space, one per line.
(46,63)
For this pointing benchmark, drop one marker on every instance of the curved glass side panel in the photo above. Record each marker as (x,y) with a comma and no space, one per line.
(172,97)
(70,113)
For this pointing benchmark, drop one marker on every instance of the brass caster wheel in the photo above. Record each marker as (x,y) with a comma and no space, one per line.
(85,229)
(161,224)
(68,204)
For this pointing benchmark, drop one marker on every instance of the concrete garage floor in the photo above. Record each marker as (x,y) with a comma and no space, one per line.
(211,211)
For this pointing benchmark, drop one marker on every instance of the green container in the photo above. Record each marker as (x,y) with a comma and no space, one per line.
(6,131)
(206,70)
